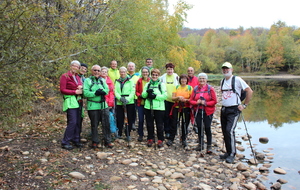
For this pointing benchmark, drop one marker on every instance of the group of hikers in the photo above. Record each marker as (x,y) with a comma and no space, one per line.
(169,100)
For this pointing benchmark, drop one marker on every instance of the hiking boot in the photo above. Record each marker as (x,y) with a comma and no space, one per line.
(167,135)
(160,143)
(94,145)
(170,142)
(140,139)
(184,143)
(78,144)
(224,156)
(67,146)
(108,145)
(128,138)
(199,148)
(133,128)
(195,128)
(208,149)
(150,142)
(230,159)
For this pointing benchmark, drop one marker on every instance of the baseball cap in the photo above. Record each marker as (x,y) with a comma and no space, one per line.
(227,64)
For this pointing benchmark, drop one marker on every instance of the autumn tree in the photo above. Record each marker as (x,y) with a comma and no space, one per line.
(40,38)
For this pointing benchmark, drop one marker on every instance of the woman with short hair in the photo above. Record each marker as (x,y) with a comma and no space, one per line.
(155,94)
(124,93)
(170,79)
(141,101)
(203,101)
(71,88)
(181,109)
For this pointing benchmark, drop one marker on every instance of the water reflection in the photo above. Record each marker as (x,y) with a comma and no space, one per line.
(276,101)
(274,112)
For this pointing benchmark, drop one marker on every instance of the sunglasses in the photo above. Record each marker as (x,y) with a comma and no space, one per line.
(96,70)
(154,75)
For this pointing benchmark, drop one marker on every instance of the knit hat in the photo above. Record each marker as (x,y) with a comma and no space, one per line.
(83,65)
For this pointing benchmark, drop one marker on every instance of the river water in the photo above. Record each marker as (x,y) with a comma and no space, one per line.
(274,112)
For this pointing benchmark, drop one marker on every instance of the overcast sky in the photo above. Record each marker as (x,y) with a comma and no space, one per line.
(235,13)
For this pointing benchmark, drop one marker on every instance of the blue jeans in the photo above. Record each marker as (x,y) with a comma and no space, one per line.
(141,114)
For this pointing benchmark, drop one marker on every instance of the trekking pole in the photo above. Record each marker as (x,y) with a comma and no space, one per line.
(184,125)
(179,120)
(126,123)
(195,127)
(202,129)
(152,115)
(249,138)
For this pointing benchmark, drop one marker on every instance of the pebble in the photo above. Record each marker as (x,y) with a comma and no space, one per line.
(150,173)
(279,171)
(242,167)
(168,173)
(47,154)
(25,152)
(282,181)
(263,169)
(133,164)
(276,186)
(145,179)
(250,186)
(115,178)
(101,155)
(264,140)
(126,161)
(177,175)
(133,177)
(77,175)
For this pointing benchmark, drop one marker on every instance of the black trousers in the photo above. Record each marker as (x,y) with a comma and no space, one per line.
(158,117)
(184,115)
(96,116)
(207,119)
(167,118)
(130,108)
(229,119)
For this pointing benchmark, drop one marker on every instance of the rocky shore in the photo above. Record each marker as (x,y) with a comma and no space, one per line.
(138,167)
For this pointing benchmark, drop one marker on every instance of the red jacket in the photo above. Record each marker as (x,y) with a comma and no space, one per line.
(193,81)
(68,85)
(139,89)
(210,98)
(110,97)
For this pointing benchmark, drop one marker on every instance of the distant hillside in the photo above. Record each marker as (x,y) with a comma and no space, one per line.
(186,31)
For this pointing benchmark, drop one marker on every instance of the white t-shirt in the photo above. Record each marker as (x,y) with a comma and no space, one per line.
(229,98)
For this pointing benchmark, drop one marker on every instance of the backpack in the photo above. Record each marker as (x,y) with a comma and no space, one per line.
(93,83)
(189,87)
(159,87)
(208,91)
(243,93)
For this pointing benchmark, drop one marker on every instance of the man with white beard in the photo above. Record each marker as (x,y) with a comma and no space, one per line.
(232,107)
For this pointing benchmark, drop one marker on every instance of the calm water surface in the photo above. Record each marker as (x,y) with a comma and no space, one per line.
(274,112)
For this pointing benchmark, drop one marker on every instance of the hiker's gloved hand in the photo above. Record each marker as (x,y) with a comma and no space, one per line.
(123,100)
(202,100)
(151,96)
(149,91)
(100,92)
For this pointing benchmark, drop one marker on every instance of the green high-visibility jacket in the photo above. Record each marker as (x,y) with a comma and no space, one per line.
(161,95)
(90,86)
(70,102)
(124,89)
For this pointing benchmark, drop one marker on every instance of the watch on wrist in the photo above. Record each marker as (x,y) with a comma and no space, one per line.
(244,105)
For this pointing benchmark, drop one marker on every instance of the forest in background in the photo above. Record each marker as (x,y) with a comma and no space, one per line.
(39,39)
(254,50)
